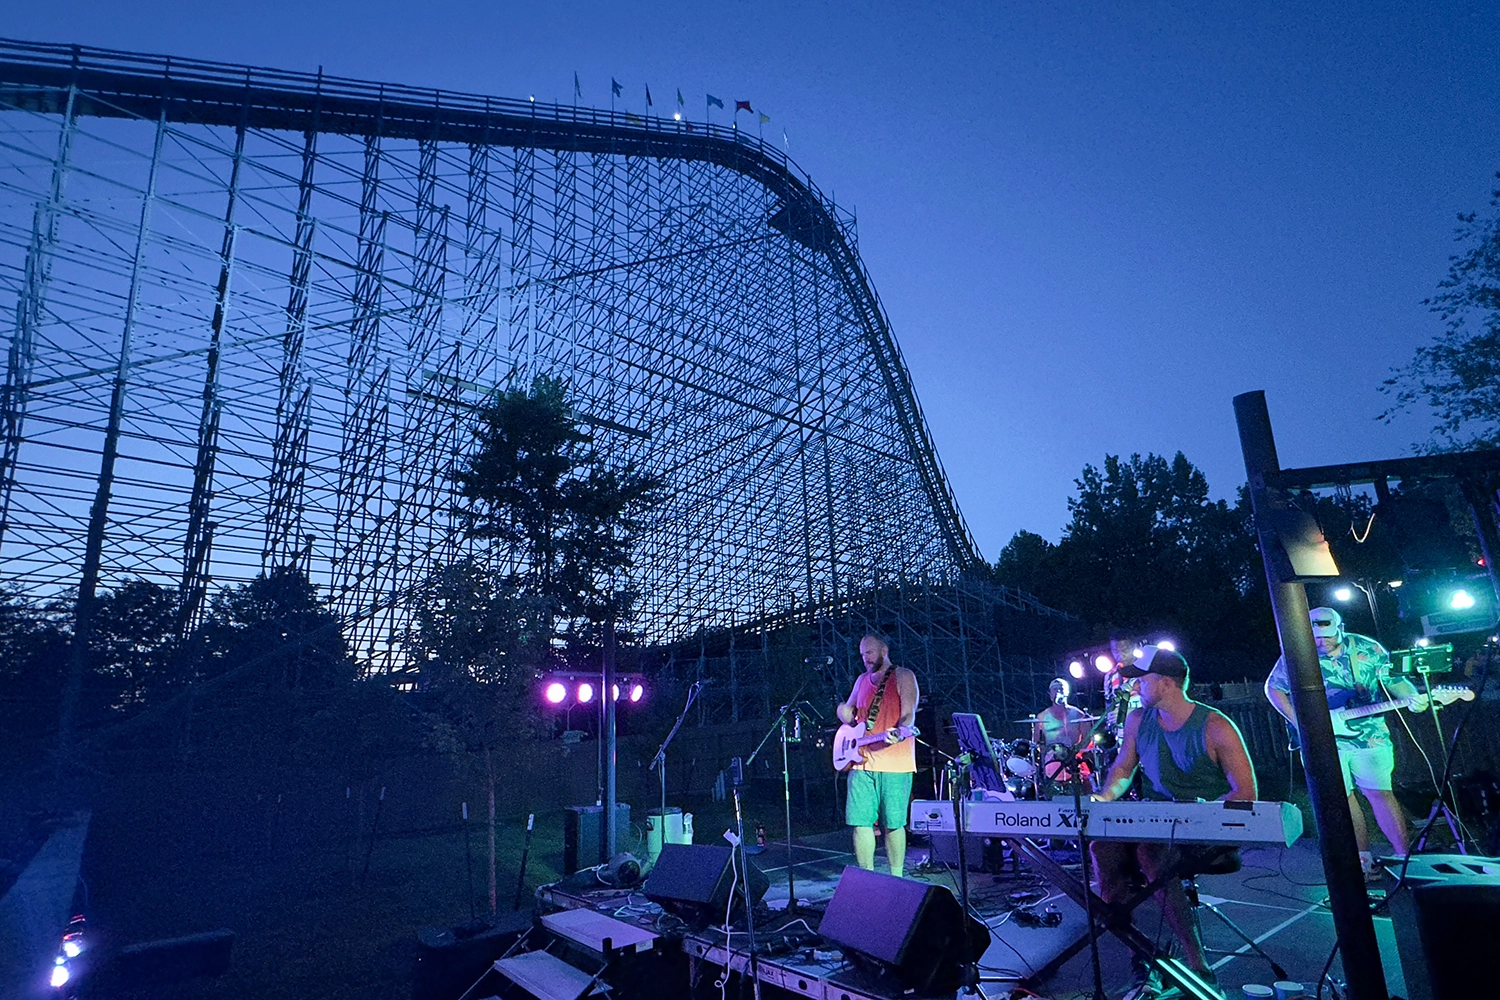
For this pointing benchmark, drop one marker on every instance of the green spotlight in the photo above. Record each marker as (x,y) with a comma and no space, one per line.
(1461,600)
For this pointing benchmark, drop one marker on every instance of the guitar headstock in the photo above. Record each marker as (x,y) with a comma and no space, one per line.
(1447,694)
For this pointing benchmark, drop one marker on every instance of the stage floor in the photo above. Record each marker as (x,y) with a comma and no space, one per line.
(1278,898)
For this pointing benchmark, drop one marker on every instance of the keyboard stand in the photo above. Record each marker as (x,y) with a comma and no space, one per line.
(1115,919)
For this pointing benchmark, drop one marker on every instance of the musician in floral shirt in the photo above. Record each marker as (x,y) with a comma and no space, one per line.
(1356,671)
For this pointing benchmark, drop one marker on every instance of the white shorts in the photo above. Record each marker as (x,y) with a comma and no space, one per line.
(1368,767)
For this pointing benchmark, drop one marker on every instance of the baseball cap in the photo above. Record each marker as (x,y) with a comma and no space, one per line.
(1326,622)
(1158,661)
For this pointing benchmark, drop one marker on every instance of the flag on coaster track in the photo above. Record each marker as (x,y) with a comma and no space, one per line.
(764,117)
(577,90)
(714,100)
(614,87)
(742,106)
(649,102)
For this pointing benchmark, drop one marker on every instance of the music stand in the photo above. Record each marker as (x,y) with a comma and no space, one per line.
(1422,662)
(974,740)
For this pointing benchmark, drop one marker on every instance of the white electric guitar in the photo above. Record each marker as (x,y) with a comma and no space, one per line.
(851,739)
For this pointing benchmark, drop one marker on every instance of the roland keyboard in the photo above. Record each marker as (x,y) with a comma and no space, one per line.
(1175,822)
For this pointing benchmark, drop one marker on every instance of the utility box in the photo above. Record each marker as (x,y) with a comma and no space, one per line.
(583,835)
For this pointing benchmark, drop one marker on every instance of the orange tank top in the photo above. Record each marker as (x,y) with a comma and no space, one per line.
(898,757)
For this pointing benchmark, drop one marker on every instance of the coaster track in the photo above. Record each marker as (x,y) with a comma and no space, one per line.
(254,311)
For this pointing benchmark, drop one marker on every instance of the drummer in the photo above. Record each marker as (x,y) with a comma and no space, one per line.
(1060,722)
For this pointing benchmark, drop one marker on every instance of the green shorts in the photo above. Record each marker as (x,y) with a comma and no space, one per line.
(878,795)
(1369,768)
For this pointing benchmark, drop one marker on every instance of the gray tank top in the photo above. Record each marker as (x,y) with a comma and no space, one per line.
(1176,764)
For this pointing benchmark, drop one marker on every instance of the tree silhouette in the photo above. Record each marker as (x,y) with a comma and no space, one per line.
(536,481)
(1147,549)
(1457,375)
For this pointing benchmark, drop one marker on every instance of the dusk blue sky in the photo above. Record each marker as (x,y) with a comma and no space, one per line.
(1091,225)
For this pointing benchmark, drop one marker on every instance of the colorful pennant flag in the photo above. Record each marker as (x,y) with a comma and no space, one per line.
(764,117)
(679,97)
(614,87)
(741,106)
(634,119)
(577,90)
(715,101)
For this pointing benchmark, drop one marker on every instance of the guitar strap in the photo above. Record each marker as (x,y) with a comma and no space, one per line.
(874,711)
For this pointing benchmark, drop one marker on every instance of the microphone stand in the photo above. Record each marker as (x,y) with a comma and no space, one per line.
(737,779)
(660,760)
(958,769)
(793,708)
(1088,865)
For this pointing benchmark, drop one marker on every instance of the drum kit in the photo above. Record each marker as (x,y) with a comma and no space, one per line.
(1035,770)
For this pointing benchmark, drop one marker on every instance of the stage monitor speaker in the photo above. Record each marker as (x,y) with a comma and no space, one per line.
(450,959)
(583,835)
(694,881)
(1444,918)
(1457,922)
(906,929)
(163,963)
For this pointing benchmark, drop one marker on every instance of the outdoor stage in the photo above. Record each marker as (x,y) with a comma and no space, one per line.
(1278,898)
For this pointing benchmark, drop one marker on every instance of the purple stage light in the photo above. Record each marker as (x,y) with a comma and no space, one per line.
(555,693)
(637,692)
(585,693)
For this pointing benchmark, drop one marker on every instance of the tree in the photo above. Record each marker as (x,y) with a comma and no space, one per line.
(535,481)
(279,627)
(133,652)
(1147,549)
(33,652)
(1458,375)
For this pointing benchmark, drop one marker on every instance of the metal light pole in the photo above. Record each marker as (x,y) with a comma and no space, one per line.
(608,694)
(1282,554)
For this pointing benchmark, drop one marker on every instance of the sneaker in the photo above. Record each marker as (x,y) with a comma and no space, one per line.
(1147,985)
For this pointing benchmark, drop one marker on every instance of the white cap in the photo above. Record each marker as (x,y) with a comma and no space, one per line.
(1334,626)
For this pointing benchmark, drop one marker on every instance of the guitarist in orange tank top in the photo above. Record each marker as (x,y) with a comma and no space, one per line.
(884,698)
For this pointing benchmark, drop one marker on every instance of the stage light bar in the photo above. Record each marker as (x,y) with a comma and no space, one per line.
(567,690)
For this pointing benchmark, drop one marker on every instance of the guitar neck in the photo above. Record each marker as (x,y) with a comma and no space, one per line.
(1379,707)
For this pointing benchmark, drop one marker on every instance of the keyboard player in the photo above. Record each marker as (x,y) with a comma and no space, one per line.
(1186,751)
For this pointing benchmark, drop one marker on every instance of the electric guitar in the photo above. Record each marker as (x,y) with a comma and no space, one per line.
(849,742)
(1444,695)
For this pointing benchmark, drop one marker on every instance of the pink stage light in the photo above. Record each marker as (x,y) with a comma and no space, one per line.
(637,692)
(585,693)
(1076,670)
(1103,663)
(555,693)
